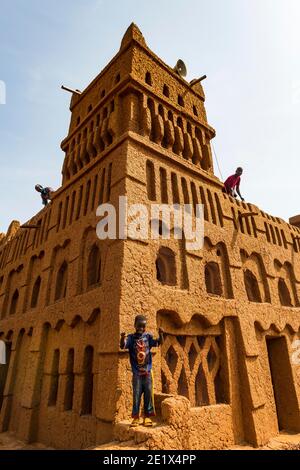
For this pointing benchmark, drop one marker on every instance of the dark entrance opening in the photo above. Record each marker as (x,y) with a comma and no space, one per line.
(283,384)
(3,372)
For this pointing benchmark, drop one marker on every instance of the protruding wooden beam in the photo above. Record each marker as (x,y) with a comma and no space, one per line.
(29,226)
(70,90)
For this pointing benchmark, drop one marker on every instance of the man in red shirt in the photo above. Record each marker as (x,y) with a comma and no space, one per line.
(233,183)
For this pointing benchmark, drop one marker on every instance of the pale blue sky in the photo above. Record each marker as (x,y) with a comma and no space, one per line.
(249,50)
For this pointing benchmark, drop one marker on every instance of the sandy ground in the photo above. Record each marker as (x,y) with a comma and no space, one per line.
(281,442)
(9,442)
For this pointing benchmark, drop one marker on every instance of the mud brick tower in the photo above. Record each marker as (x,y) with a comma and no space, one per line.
(230,311)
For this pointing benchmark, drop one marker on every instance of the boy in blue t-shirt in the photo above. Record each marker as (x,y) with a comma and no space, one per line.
(45,193)
(139,345)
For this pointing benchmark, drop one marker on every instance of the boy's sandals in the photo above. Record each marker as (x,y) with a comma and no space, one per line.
(135,422)
(147,422)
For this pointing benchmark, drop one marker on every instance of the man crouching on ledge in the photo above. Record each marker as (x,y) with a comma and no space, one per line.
(139,345)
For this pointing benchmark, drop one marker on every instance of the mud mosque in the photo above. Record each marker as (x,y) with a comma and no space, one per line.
(230,312)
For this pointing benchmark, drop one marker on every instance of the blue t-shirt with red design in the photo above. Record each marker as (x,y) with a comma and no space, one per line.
(139,347)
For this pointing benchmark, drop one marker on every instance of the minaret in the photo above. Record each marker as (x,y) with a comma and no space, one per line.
(138,93)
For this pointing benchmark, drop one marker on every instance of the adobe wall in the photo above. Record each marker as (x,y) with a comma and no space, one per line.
(84,315)
(186,308)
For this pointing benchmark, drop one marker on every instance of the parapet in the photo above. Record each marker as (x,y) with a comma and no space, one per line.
(12,229)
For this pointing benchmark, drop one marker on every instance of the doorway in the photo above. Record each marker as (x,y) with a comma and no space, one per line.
(283,384)
(4,371)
